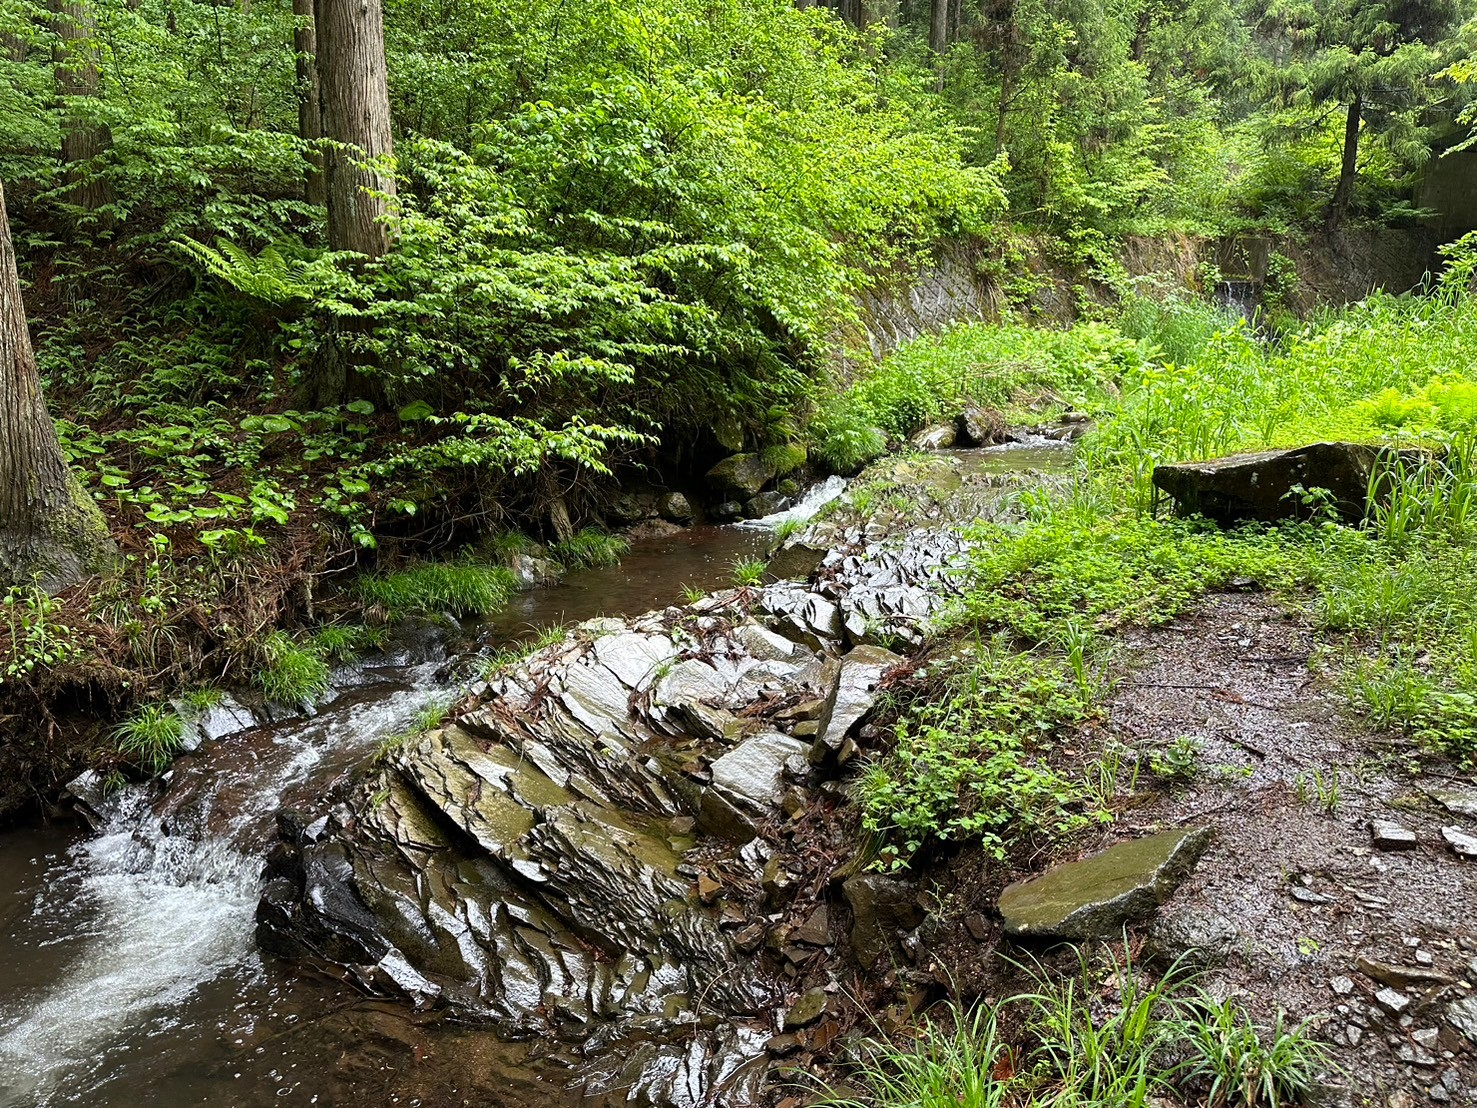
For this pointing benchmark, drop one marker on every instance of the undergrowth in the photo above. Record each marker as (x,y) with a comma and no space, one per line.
(431,588)
(1094,1038)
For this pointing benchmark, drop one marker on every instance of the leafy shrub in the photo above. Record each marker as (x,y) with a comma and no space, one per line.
(969,767)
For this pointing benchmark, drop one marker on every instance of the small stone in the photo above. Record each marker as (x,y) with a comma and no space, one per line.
(1353,1033)
(1392,1001)
(816,930)
(1388,835)
(977,926)
(1400,977)
(1426,1037)
(750,939)
(708,889)
(1462,844)
(1401,1099)
(1462,1015)
(1425,958)
(806,1010)
(1438,1093)
(1343,986)
(783,1044)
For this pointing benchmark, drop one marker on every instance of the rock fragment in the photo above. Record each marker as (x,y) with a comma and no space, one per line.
(806,1010)
(880,908)
(1389,835)
(1461,844)
(1096,896)
(1392,1001)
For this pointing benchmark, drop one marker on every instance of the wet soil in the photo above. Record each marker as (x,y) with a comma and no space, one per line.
(1292,881)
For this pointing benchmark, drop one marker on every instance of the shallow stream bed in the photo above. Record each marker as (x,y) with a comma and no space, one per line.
(130,976)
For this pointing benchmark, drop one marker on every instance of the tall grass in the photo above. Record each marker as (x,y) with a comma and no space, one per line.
(1092,1040)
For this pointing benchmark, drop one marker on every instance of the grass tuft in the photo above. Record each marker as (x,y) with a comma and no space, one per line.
(289,673)
(590,549)
(461,588)
(152,736)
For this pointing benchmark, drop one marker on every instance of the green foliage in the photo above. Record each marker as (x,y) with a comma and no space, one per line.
(345,642)
(747,574)
(1093,1038)
(288,673)
(969,765)
(431,588)
(589,549)
(151,736)
(996,366)
(35,638)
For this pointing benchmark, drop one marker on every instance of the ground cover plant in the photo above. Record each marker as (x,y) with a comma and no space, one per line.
(1107,1033)
(1391,595)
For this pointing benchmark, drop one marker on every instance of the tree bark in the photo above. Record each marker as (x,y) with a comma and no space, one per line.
(78,80)
(1349,171)
(309,101)
(51,532)
(938,26)
(356,118)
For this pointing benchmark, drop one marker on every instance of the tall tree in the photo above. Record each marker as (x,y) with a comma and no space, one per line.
(78,82)
(309,99)
(51,531)
(1373,60)
(356,119)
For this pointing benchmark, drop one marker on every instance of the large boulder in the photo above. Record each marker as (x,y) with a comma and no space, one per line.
(1095,897)
(741,476)
(976,426)
(1261,486)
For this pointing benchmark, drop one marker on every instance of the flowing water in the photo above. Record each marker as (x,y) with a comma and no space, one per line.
(131,977)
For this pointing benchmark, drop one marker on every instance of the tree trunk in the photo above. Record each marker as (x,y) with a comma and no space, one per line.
(1010,64)
(77,80)
(309,106)
(1349,171)
(356,118)
(938,26)
(51,531)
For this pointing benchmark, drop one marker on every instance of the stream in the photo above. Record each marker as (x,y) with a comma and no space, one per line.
(132,976)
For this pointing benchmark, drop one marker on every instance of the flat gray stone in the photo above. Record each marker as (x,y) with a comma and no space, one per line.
(635,659)
(1389,835)
(687,682)
(1459,800)
(855,692)
(754,770)
(1095,897)
(1462,844)
(1462,1015)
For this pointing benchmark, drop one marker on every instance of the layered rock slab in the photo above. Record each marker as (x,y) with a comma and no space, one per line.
(1097,896)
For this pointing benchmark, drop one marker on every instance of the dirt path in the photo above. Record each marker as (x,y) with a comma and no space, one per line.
(1293,892)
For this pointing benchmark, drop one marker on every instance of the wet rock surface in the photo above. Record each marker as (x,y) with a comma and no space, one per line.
(1093,898)
(594,846)
(1373,946)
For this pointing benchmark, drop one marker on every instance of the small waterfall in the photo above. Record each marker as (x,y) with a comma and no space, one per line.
(155,906)
(816,497)
(1240,297)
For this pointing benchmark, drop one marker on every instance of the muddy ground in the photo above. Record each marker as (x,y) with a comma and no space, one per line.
(1294,906)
